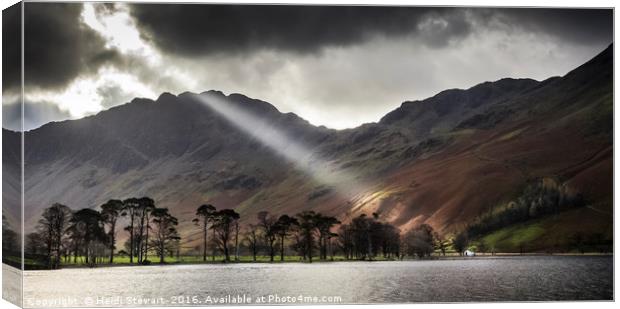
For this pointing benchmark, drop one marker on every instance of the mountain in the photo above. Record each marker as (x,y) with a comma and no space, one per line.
(446,160)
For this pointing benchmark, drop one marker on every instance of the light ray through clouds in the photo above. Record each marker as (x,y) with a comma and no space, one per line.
(367,79)
(346,184)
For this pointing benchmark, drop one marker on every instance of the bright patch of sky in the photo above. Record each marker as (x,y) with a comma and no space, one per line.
(339,87)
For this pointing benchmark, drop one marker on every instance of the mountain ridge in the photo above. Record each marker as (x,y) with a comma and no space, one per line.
(497,136)
(139,100)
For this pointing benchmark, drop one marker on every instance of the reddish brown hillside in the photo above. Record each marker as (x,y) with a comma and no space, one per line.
(443,161)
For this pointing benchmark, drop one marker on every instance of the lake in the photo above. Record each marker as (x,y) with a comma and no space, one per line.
(533,278)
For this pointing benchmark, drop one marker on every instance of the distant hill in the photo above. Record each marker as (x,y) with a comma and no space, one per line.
(445,160)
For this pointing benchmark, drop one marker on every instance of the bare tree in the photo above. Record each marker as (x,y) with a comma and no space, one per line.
(166,235)
(110,211)
(306,231)
(145,206)
(87,224)
(204,215)
(267,222)
(283,228)
(223,225)
(130,209)
(52,228)
(252,239)
(324,225)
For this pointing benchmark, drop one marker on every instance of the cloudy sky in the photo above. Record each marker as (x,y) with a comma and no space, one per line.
(334,66)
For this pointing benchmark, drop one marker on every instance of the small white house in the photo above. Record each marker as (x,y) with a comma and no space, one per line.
(469,253)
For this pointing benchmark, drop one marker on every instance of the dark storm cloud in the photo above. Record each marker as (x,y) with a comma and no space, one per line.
(333,65)
(581,26)
(196,30)
(11,47)
(209,29)
(58,47)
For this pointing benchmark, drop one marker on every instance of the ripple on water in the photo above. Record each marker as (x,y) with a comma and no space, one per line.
(477,279)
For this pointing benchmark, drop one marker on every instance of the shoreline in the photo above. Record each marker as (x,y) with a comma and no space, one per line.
(222,263)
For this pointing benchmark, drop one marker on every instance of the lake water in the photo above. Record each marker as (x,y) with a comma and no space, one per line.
(475,279)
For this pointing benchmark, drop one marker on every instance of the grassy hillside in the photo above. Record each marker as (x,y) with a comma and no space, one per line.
(584,229)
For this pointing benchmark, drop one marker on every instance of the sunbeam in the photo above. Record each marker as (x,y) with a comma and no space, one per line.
(347,184)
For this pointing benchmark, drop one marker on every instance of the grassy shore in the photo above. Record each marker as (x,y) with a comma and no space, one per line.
(189,259)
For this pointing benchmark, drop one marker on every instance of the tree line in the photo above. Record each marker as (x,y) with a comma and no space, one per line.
(313,235)
(89,236)
(540,198)
(306,233)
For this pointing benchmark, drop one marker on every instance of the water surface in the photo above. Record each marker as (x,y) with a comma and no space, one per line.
(477,279)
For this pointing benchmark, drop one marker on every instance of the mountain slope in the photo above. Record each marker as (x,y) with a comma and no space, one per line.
(443,161)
